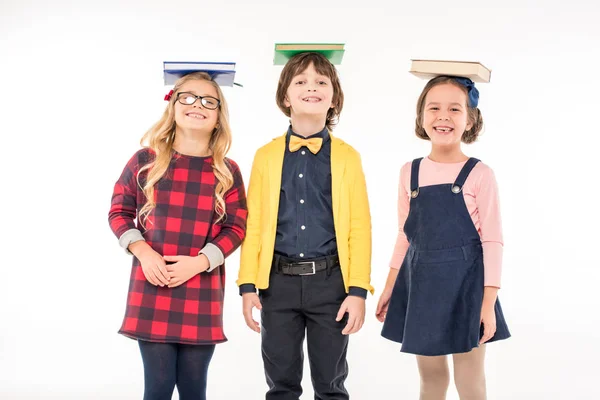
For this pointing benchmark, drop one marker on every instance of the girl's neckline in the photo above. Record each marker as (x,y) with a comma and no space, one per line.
(446,163)
(178,154)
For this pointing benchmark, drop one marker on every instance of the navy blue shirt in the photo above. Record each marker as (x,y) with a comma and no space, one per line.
(305,227)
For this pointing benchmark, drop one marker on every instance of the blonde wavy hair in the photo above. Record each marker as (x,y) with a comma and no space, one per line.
(161,137)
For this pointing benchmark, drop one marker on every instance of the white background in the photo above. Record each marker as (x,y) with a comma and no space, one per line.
(82,81)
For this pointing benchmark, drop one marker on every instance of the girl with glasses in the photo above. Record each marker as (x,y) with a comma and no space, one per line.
(179,207)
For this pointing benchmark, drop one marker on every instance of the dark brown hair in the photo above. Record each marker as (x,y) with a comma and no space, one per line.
(297,65)
(473,113)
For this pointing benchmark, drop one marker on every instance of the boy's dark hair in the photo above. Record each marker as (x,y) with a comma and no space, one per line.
(298,64)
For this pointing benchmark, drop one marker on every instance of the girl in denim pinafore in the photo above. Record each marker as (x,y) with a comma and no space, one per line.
(438,303)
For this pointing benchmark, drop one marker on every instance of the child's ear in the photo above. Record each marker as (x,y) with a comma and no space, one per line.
(470,122)
(286,102)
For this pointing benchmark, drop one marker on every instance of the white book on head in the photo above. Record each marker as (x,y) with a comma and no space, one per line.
(473,70)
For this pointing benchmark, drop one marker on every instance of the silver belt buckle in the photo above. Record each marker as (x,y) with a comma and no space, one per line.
(313,267)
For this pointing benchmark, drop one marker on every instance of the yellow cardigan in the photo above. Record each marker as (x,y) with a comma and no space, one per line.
(351,215)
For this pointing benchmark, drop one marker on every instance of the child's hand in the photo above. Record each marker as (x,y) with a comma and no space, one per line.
(355,307)
(185,268)
(383,304)
(488,319)
(153,264)
(251,300)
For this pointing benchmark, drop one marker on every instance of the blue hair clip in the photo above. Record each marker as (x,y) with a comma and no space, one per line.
(471,90)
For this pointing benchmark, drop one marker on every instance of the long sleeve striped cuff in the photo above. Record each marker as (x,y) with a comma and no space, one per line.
(130,236)
(214,254)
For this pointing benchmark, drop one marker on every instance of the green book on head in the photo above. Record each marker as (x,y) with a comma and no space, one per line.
(428,69)
(332,51)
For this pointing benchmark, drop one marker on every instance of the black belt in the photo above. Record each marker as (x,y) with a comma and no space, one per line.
(310,267)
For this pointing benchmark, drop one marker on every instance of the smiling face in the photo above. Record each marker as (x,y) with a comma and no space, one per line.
(196,117)
(445,114)
(309,87)
(309,94)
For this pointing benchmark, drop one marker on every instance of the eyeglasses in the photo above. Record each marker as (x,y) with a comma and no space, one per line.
(208,102)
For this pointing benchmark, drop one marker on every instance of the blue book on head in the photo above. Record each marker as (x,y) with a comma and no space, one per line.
(223,73)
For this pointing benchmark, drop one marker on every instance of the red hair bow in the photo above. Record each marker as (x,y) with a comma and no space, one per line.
(168,96)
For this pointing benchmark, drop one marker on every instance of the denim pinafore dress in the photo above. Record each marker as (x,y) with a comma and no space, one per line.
(435,308)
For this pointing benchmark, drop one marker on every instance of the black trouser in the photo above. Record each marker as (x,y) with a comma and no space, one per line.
(295,305)
(170,364)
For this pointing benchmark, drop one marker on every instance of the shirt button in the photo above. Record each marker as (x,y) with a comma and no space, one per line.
(301,254)
(303,152)
(300,176)
(301,201)
(303,227)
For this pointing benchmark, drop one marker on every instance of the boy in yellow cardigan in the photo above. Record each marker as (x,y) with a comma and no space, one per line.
(308,239)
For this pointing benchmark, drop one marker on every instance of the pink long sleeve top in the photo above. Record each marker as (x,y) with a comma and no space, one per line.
(481,197)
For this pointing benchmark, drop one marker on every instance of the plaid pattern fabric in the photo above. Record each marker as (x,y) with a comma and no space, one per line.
(181,224)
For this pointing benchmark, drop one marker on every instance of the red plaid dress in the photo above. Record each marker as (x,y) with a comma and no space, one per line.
(181,224)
